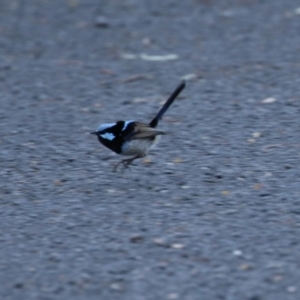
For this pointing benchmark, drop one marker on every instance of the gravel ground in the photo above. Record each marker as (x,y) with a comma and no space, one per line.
(212,213)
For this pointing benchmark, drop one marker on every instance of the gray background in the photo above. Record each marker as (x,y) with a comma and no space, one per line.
(213,213)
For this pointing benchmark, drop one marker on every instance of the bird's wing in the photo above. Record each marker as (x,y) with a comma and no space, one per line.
(142,131)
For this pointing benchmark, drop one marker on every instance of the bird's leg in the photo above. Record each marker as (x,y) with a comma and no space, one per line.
(127,162)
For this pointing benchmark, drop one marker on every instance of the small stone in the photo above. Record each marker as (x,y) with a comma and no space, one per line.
(54,257)
(162,264)
(245,267)
(269,100)
(237,253)
(177,246)
(136,238)
(116,286)
(111,191)
(194,272)
(277,278)
(177,160)
(225,193)
(81,24)
(268,174)
(291,289)
(164,191)
(19,285)
(185,187)
(159,57)
(136,78)
(297,11)
(147,160)
(57,182)
(160,242)
(251,141)
(128,56)
(140,100)
(258,186)
(256,135)
(102,21)
(146,41)
(188,77)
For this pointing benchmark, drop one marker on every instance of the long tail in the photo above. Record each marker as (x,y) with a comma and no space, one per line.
(165,107)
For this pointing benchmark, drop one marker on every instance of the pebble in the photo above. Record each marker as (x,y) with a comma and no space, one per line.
(245,267)
(277,278)
(268,174)
(256,135)
(128,56)
(178,160)
(251,141)
(162,265)
(146,41)
(177,246)
(19,285)
(160,242)
(291,289)
(185,187)
(297,11)
(269,100)
(159,57)
(136,238)
(188,77)
(102,22)
(237,253)
(116,286)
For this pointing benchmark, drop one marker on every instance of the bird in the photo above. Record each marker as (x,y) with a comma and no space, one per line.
(131,138)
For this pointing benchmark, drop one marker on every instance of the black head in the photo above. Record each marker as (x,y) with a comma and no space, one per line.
(112,135)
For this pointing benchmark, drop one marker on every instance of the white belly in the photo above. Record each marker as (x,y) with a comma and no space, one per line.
(139,146)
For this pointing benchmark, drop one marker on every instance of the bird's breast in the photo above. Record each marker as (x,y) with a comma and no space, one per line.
(139,146)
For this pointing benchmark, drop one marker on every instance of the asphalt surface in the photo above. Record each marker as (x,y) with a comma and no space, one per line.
(212,213)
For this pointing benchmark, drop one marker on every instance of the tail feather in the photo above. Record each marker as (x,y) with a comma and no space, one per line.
(168,103)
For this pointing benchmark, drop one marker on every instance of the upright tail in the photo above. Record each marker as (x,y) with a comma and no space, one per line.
(165,107)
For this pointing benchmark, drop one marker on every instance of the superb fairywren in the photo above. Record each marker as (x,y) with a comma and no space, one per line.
(131,138)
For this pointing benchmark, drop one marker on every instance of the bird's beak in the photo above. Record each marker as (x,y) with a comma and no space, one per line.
(94,132)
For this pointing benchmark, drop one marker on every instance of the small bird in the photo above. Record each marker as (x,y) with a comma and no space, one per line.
(131,138)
